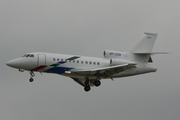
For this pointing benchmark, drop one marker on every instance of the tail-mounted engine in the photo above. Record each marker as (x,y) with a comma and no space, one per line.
(114,54)
(116,57)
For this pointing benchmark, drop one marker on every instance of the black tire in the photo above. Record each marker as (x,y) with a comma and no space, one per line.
(97,83)
(87,88)
(31,80)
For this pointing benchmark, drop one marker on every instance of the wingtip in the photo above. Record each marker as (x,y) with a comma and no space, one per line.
(148,33)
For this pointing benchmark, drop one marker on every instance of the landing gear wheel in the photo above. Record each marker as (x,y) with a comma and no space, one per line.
(31,76)
(97,83)
(31,80)
(87,88)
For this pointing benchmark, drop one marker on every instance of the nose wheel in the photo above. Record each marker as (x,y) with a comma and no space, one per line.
(31,80)
(31,76)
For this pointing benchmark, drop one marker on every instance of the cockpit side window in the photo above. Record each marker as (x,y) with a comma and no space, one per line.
(24,55)
(28,55)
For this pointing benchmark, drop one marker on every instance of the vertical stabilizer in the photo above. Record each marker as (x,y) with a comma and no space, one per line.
(146,44)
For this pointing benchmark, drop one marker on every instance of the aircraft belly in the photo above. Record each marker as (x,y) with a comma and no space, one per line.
(140,69)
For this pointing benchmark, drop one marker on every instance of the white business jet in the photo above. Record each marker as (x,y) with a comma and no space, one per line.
(88,71)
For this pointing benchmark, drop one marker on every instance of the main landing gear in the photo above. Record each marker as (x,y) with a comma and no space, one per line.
(87,86)
(97,83)
(31,76)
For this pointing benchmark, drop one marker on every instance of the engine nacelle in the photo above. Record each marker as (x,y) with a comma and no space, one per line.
(117,57)
(114,54)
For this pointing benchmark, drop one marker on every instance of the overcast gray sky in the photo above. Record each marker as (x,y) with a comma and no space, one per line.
(87,27)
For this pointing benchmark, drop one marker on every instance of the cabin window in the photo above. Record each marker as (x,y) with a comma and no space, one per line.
(77,61)
(81,62)
(62,60)
(54,59)
(73,61)
(94,63)
(90,63)
(69,60)
(97,63)
(86,62)
(57,59)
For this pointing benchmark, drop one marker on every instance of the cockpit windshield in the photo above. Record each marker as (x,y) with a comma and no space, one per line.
(31,55)
(28,55)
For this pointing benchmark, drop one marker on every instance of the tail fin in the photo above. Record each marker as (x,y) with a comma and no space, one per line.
(145,46)
(143,50)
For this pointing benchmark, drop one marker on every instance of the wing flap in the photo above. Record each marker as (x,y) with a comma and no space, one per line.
(98,69)
(105,72)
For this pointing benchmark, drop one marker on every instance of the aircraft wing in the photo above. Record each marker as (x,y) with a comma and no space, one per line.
(105,72)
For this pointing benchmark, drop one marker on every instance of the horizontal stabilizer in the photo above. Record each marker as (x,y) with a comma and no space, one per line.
(152,53)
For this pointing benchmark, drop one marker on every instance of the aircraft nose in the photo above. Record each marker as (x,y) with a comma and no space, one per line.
(8,63)
(13,63)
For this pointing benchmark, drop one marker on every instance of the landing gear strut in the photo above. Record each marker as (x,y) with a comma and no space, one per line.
(31,76)
(87,86)
(97,82)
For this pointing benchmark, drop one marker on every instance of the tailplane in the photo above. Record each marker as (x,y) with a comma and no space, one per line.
(143,50)
(140,53)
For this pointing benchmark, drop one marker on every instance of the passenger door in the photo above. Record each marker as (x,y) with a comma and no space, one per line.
(41,59)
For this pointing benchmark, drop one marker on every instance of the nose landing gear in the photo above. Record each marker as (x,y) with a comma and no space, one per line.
(31,76)
(31,80)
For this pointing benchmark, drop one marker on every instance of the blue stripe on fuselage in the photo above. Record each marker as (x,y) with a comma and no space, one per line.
(62,62)
(58,70)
